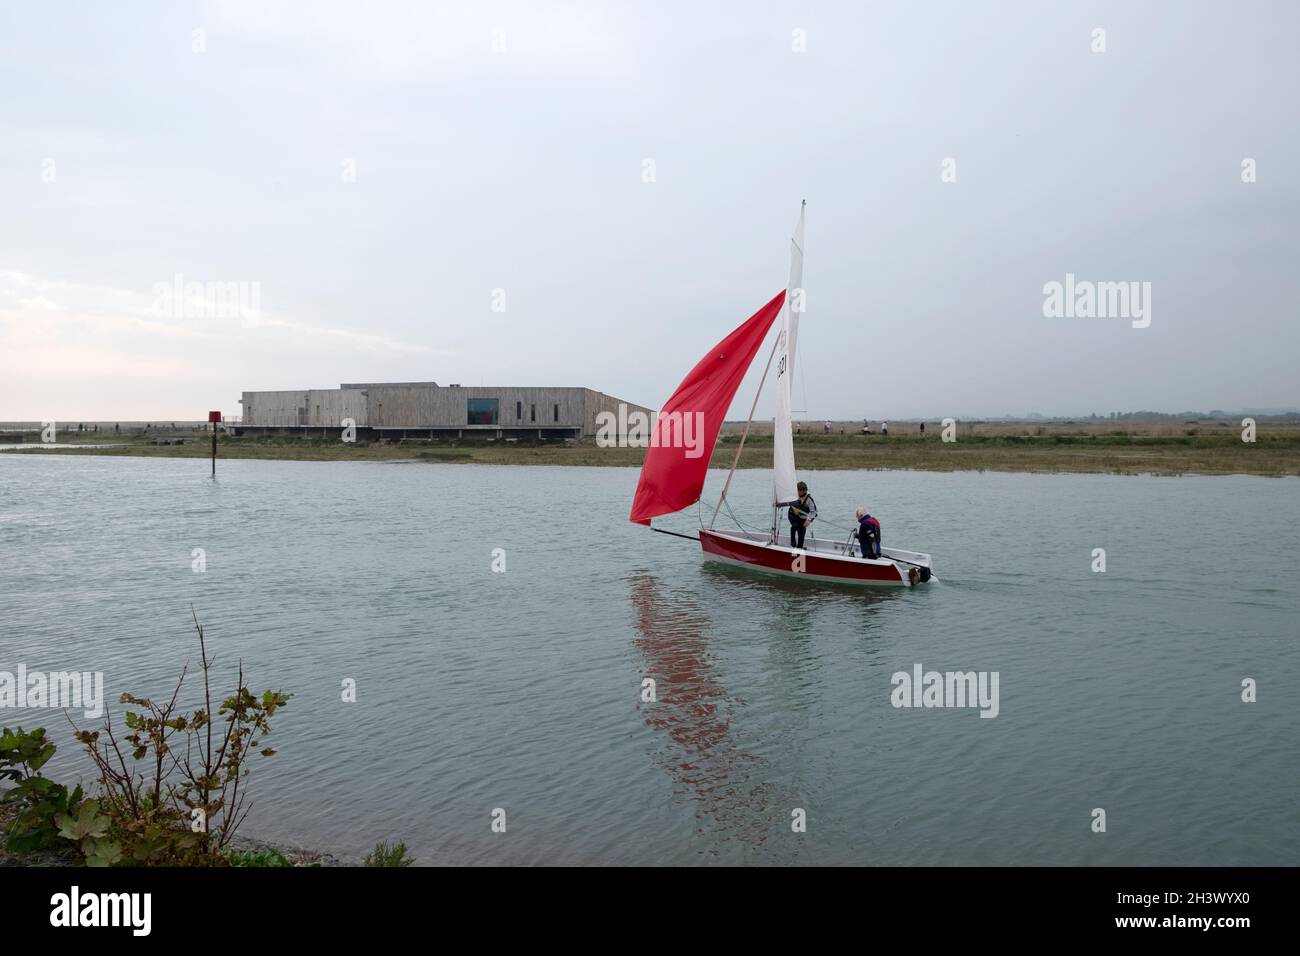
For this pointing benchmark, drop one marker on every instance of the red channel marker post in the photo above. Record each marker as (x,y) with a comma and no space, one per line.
(214,419)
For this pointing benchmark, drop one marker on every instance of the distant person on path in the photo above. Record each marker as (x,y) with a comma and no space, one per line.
(922,428)
(884,428)
(868,534)
(802,513)
(827,428)
(866,427)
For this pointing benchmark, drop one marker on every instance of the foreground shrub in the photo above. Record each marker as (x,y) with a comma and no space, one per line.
(179,800)
(38,801)
(172,789)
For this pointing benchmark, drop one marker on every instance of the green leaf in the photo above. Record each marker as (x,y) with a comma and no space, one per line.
(41,757)
(89,823)
(104,854)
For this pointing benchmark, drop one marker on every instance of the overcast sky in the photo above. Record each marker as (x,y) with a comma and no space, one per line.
(373,172)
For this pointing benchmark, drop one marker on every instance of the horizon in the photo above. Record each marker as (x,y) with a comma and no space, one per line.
(1146,415)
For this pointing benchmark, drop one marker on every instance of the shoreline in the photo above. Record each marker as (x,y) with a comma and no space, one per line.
(1157,450)
(297,856)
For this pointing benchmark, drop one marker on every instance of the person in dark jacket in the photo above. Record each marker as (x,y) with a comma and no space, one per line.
(868,534)
(802,513)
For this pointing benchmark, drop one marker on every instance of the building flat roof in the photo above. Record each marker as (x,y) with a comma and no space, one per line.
(386,384)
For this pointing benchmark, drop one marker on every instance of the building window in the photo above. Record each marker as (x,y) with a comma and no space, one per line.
(519,411)
(532,413)
(557,412)
(481,411)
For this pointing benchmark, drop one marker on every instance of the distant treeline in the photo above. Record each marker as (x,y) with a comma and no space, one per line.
(1148,416)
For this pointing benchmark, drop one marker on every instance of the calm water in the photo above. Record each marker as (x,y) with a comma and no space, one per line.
(520,690)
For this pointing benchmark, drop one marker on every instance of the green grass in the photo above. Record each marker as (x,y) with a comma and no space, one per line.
(267,857)
(386,855)
(1214,448)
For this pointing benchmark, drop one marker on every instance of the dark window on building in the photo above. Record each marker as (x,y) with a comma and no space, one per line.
(557,413)
(519,411)
(532,413)
(481,411)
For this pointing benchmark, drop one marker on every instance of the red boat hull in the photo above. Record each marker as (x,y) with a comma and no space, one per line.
(801,564)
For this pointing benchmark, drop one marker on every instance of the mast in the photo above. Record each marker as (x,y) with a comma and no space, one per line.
(783,476)
(783,473)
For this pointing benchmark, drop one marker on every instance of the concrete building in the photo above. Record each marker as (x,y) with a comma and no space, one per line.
(428,410)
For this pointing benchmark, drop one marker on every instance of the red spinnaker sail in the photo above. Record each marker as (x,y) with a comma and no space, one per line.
(686,430)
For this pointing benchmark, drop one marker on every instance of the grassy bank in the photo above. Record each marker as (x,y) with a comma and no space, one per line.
(245,851)
(1209,448)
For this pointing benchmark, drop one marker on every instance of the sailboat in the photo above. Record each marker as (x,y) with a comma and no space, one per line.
(673,473)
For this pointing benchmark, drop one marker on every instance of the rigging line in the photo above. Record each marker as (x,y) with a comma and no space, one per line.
(740,524)
(837,527)
(743,435)
(700,517)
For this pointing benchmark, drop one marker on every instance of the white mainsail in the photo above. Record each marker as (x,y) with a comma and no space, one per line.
(783,477)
